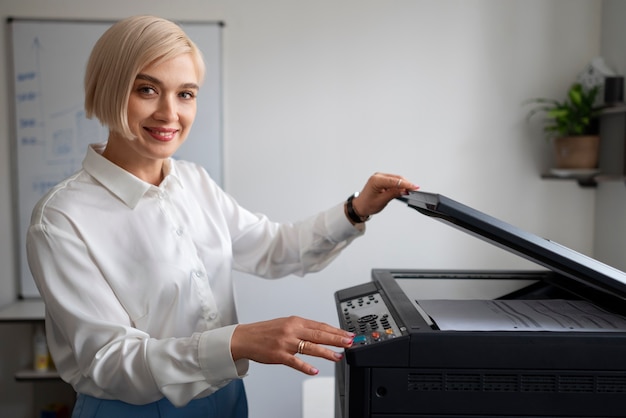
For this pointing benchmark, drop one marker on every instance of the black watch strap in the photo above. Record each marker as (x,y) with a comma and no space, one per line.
(354,217)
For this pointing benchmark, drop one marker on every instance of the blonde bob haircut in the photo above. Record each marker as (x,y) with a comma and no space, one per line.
(120,54)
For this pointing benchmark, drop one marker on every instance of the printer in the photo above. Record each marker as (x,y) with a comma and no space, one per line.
(554,346)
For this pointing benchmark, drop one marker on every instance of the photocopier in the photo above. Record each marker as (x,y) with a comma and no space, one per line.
(554,346)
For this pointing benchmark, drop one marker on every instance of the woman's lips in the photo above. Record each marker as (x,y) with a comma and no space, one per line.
(162,134)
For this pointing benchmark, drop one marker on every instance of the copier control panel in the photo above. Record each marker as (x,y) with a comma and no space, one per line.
(369,318)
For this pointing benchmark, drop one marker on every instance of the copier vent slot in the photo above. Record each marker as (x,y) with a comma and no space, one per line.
(522,381)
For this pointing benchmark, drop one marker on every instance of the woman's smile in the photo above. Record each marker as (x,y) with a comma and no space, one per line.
(162,134)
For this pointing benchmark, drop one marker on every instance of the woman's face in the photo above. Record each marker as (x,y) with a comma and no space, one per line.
(162,108)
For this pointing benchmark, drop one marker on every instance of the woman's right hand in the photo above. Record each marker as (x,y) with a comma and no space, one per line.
(278,341)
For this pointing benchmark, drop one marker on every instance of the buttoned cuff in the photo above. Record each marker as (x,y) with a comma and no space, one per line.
(339,226)
(215,358)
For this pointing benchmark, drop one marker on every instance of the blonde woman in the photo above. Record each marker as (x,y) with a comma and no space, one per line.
(133,254)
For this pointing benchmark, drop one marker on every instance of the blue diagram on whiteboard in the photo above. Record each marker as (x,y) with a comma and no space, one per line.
(53,139)
(51,128)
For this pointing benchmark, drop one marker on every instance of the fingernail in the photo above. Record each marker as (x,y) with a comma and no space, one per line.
(314,370)
(347,340)
(338,356)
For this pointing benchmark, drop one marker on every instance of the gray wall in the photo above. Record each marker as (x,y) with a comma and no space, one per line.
(320,94)
(610,218)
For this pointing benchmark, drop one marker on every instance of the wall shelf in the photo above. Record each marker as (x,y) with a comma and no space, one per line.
(613,109)
(583,181)
(29,375)
(23,310)
(587,181)
(27,311)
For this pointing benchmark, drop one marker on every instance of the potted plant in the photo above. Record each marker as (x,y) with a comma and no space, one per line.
(573,126)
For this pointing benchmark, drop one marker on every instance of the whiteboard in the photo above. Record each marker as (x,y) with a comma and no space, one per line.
(51,132)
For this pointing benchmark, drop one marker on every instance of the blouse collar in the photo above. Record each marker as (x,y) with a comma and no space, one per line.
(126,186)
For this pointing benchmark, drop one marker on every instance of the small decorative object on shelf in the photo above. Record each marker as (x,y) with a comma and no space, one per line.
(41,357)
(614,91)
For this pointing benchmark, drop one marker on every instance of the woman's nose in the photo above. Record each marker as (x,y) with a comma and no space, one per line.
(167,109)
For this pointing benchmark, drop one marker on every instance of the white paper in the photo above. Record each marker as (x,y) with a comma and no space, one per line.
(521,315)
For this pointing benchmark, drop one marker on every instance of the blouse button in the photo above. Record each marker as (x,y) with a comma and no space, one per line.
(179,232)
(212,316)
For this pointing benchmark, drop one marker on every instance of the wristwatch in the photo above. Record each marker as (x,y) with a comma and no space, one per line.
(354,217)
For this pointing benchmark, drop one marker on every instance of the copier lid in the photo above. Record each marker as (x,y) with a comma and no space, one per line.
(549,254)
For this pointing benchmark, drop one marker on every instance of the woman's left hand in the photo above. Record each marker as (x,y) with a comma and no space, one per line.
(277,341)
(379,190)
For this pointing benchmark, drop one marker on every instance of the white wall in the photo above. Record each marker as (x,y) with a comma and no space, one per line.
(610,219)
(320,94)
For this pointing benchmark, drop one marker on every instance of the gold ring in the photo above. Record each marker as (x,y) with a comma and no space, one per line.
(301,346)
(399,182)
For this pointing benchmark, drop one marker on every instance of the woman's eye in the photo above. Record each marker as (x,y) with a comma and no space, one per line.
(146,90)
(187,95)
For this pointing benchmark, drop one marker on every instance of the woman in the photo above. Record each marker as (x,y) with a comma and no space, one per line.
(133,254)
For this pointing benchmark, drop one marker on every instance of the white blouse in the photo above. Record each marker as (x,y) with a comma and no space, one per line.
(137,282)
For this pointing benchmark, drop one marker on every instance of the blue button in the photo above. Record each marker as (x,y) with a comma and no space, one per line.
(359,339)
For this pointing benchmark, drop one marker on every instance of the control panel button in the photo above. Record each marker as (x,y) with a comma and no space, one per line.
(368,318)
(360,339)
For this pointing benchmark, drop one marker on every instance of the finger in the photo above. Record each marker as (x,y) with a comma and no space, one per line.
(302,366)
(398,183)
(309,324)
(312,349)
(321,333)
(383,183)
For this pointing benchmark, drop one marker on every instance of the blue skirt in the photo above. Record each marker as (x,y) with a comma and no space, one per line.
(228,402)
